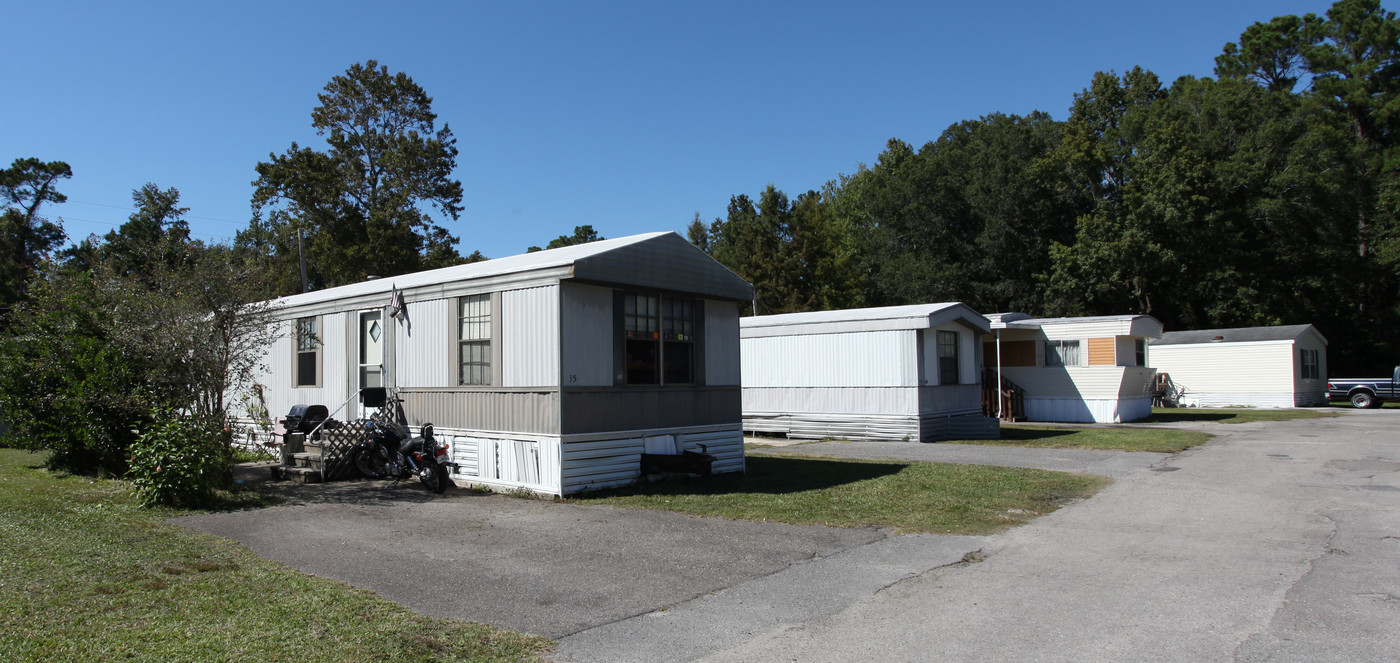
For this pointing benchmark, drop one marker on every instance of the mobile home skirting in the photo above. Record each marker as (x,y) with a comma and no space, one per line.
(852,426)
(567,464)
(1299,399)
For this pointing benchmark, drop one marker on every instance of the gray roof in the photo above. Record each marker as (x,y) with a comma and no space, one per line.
(1236,335)
(661,261)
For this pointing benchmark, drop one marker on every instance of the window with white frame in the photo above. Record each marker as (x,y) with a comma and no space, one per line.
(1062,353)
(1308,359)
(474,340)
(308,353)
(1140,352)
(947,357)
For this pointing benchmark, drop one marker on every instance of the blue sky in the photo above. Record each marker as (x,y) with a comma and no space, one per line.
(629,116)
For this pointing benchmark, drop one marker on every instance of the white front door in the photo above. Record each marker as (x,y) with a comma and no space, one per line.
(371,362)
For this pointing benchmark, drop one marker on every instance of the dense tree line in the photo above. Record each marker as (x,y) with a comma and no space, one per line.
(1266,195)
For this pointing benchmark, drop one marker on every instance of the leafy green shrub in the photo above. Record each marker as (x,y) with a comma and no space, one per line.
(64,387)
(179,461)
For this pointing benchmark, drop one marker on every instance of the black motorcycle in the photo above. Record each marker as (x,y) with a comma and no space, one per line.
(390,450)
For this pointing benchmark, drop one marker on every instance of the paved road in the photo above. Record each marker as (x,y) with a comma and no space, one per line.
(1276,542)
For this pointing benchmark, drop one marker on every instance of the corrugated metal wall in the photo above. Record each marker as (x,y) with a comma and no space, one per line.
(423,345)
(722,343)
(958,398)
(831,400)
(506,411)
(967,354)
(277,375)
(861,359)
(586,336)
(530,331)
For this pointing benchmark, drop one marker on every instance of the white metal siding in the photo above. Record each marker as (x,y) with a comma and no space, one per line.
(1084,393)
(277,376)
(721,343)
(423,344)
(1077,382)
(1070,330)
(967,354)
(587,335)
(832,400)
(1247,370)
(857,359)
(1090,410)
(1125,351)
(530,337)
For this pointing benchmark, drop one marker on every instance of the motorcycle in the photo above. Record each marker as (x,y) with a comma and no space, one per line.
(390,450)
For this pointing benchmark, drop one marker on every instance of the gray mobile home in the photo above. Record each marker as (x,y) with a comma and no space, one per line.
(889,373)
(550,371)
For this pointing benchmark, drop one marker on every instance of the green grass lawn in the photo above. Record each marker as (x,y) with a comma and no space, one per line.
(1346,404)
(1124,438)
(1234,415)
(910,497)
(86,574)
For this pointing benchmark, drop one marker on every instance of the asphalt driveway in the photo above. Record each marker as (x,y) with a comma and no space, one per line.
(561,569)
(527,565)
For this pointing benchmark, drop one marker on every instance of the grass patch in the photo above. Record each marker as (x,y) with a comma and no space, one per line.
(911,497)
(1156,440)
(1246,415)
(1346,404)
(86,574)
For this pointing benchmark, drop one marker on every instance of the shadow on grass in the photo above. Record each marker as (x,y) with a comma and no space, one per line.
(1187,414)
(1017,433)
(772,475)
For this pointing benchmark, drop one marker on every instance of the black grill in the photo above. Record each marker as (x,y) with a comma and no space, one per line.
(304,418)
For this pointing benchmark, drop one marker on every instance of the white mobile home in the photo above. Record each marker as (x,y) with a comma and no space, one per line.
(899,372)
(1087,369)
(1283,366)
(551,371)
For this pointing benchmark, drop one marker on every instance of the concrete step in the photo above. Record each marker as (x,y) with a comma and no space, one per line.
(307,460)
(298,474)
